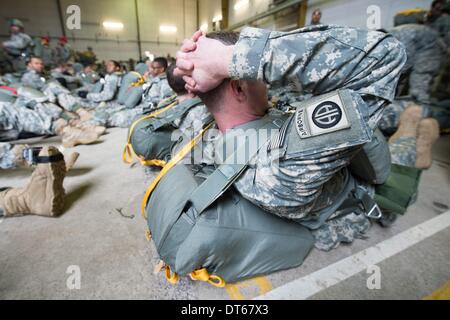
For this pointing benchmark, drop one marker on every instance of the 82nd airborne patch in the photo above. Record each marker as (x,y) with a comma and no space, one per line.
(321,115)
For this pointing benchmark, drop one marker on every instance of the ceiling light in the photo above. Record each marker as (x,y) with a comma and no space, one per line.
(111,25)
(168,29)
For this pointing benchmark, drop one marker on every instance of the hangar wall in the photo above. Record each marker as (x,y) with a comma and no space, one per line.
(41,18)
(333,12)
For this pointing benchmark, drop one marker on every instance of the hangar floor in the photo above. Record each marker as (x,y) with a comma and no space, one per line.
(103,234)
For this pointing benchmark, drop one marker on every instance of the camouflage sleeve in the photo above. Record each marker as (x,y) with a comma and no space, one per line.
(17,42)
(320,59)
(315,60)
(32,79)
(108,92)
(165,90)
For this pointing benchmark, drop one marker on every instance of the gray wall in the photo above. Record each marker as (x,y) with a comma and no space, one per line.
(341,12)
(41,18)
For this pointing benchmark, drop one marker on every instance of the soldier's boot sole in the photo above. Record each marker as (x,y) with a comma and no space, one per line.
(427,134)
(44,195)
(409,121)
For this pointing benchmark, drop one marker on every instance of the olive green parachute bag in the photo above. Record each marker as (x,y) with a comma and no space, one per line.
(204,228)
(150,137)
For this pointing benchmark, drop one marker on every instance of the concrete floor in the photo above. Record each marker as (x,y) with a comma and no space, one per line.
(103,234)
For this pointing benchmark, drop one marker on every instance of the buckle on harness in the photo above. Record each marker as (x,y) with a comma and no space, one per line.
(375,212)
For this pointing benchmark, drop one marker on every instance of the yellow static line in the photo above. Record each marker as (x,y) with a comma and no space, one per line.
(442,293)
(234,290)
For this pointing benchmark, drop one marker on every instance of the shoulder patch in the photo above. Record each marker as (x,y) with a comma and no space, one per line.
(322,115)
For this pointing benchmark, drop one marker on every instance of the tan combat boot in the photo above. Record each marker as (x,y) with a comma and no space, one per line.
(73,136)
(427,134)
(70,160)
(409,121)
(44,195)
(84,114)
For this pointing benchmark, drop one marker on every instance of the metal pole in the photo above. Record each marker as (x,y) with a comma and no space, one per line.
(138,30)
(61,18)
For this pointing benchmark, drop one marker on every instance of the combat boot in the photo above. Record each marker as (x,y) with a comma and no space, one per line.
(72,136)
(44,195)
(427,134)
(84,114)
(70,160)
(409,121)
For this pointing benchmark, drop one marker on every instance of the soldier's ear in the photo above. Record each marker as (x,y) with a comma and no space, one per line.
(237,90)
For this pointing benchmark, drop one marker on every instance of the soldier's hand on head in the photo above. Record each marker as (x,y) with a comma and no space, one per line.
(203,63)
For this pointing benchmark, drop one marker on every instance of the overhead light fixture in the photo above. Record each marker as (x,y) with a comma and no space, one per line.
(217,18)
(241,4)
(168,29)
(204,27)
(111,25)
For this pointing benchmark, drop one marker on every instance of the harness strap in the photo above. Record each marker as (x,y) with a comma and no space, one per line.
(178,156)
(227,173)
(127,155)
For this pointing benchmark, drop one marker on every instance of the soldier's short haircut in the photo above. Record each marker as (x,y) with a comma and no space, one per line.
(116,63)
(162,62)
(214,96)
(29,58)
(175,82)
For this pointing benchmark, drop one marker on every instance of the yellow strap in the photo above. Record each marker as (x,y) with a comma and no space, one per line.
(140,81)
(408,12)
(203,275)
(171,277)
(127,155)
(148,235)
(180,155)
(155,162)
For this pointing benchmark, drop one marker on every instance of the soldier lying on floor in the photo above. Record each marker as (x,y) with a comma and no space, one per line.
(298,167)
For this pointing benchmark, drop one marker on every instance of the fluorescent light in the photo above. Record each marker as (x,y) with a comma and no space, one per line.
(240,4)
(204,27)
(217,18)
(168,29)
(111,25)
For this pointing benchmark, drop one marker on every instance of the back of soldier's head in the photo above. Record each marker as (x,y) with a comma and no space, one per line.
(175,82)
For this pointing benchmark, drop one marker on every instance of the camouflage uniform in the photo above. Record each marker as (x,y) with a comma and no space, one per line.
(442,25)
(391,116)
(7,157)
(155,90)
(22,119)
(61,54)
(16,47)
(425,52)
(46,56)
(315,60)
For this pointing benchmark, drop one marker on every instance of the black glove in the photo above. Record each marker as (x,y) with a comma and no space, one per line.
(82,94)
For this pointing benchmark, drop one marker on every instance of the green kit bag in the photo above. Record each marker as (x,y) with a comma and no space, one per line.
(229,241)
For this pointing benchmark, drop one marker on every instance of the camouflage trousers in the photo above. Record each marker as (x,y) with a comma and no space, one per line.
(424,71)
(61,95)
(22,119)
(114,114)
(353,226)
(7,157)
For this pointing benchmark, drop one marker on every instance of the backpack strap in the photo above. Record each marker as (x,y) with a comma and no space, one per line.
(227,173)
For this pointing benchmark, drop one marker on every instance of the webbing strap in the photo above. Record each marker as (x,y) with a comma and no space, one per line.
(175,159)
(182,108)
(225,175)
(127,155)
